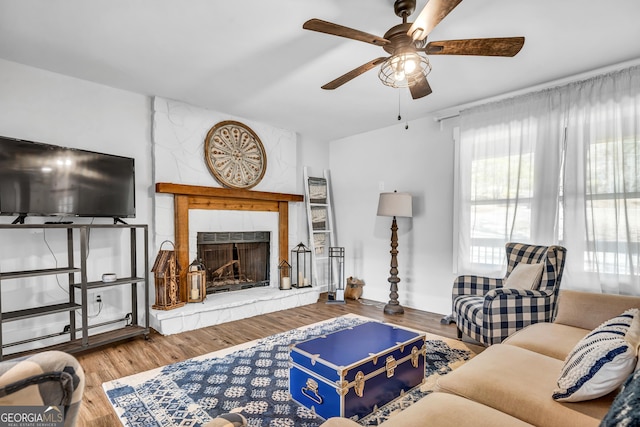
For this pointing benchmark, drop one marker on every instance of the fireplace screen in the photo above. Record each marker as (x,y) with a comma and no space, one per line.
(235,260)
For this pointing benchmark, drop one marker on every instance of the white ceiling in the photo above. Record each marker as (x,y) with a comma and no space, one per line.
(253,59)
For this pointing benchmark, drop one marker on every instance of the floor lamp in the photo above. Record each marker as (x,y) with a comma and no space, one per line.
(394,204)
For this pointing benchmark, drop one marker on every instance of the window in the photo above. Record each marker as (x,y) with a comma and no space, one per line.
(613,206)
(560,166)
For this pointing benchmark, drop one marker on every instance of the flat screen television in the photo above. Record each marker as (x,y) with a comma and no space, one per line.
(47,180)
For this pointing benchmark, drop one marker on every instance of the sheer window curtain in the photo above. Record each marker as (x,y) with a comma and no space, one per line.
(602,183)
(559,166)
(508,179)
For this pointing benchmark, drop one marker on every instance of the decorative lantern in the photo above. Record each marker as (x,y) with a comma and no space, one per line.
(301,267)
(167,279)
(285,275)
(336,276)
(197,282)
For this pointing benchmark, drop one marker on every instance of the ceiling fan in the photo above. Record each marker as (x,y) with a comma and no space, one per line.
(408,64)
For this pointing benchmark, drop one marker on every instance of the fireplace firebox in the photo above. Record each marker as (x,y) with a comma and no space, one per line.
(235,260)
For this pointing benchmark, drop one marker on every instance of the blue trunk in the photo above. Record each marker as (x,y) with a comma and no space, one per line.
(350,372)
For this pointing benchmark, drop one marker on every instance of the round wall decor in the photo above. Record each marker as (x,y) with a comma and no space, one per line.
(235,155)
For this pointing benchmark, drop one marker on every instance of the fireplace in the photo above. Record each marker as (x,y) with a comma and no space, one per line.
(234,260)
(188,198)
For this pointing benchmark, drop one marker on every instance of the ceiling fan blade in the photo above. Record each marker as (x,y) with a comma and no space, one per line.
(431,15)
(339,30)
(505,46)
(420,88)
(353,74)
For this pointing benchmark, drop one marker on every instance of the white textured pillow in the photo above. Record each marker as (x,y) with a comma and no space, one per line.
(601,361)
(525,276)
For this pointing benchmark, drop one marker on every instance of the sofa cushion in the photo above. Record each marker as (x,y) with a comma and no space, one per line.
(601,361)
(449,410)
(551,339)
(624,409)
(441,410)
(525,276)
(519,382)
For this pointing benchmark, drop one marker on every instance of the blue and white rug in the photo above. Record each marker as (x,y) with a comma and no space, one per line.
(251,379)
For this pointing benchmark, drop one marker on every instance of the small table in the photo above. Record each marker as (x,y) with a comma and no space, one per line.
(349,373)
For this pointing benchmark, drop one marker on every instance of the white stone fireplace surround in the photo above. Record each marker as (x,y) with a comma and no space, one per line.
(178,145)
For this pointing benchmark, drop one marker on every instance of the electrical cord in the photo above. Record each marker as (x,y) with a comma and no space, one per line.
(46,242)
(93,316)
(55,259)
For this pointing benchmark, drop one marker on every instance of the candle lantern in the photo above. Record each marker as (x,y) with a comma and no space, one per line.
(285,275)
(197,281)
(336,276)
(167,279)
(301,267)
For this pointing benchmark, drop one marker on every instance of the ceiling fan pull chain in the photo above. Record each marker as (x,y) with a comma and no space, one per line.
(406,124)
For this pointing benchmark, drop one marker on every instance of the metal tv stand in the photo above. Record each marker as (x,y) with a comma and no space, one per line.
(77,334)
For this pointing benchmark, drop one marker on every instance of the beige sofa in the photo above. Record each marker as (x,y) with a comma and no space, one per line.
(511,384)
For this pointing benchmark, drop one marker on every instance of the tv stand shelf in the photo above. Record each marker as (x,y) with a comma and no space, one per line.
(98,340)
(34,273)
(78,337)
(118,282)
(39,311)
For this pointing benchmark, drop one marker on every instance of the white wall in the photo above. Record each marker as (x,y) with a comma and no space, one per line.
(418,160)
(51,108)
(179,131)
(48,107)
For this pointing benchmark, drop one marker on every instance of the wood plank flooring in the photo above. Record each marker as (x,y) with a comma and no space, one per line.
(138,355)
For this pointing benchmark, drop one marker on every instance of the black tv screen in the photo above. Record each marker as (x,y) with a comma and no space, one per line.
(48,180)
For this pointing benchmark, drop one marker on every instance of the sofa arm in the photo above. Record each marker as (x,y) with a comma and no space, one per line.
(49,378)
(588,310)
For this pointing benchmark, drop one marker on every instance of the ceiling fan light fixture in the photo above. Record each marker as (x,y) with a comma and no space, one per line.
(403,69)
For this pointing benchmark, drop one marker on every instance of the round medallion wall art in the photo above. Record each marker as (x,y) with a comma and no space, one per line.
(235,155)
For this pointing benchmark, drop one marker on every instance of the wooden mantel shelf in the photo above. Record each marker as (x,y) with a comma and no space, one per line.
(186,197)
(218,192)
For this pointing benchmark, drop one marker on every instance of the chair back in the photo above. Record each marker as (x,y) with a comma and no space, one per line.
(552,256)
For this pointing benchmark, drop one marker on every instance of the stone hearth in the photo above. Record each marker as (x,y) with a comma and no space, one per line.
(230,306)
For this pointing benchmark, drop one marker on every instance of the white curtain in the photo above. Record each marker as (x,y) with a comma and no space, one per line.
(602,183)
(560,166)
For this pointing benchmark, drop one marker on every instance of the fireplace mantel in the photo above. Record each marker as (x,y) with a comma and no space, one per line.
(186,197)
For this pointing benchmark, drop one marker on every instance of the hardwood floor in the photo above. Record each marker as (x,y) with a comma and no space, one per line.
(138,355)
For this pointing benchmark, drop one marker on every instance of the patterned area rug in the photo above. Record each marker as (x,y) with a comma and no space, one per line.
(251,379)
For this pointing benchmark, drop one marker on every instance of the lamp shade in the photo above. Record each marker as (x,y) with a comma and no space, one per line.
(395,204)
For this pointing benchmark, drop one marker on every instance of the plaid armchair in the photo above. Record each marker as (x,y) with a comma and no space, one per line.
(488,312)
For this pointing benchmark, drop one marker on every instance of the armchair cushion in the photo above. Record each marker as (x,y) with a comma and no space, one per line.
(601,361)
(525,276)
